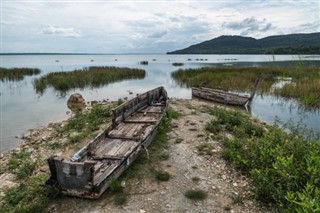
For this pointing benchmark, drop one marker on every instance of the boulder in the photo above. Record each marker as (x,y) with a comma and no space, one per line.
(76,102)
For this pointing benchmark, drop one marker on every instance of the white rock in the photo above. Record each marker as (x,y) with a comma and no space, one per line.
(235,184)
(142,211)
(149,199)
(224,177)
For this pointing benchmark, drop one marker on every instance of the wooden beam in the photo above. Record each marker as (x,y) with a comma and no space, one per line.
(140,122)
(108,157)
(123,137)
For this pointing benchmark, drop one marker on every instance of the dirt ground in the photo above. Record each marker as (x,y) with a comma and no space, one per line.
(228,190)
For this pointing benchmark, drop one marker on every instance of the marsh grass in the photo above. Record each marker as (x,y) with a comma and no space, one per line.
(304,87)
(92,77)
(177,64)
(17,74)
(284,167)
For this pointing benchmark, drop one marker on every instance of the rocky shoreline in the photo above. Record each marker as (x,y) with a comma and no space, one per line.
(227,189)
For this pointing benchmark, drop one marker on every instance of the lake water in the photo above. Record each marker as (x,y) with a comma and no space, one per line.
(22,109)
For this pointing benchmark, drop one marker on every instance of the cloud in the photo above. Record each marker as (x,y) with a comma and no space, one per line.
(158,34)
(61,31)
(249,25)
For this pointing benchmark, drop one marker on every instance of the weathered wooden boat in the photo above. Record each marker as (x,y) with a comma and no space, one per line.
(225,97)
(89,172)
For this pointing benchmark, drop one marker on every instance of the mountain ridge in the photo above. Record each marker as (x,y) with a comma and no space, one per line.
(299,43)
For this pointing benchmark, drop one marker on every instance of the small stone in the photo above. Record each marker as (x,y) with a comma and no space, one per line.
(123,184)
(224,177)
(232,211)
(142,211)
(235,184)
(1,156)
(168,206)
(149,199)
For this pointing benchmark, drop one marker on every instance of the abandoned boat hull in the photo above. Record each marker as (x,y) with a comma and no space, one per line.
(224,97)
(220,96)
(104,159)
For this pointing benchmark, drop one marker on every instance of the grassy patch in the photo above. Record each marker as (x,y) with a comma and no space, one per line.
(87,77)
(162,176)
(29,196)
(205,149)
(237,199)
(22,165)
(17,74)
(196,194)
(164,156)
(284,168)
(119,199)
(83,125)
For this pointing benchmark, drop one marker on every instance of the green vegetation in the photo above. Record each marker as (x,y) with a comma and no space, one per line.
(284,168)
(120,199)
(196,194)
(162,176)
(304,87)
(205,149)
(83,125)
(17,74)
(87,77)
(30,195)
(281,44)
(22,165)
(177,64)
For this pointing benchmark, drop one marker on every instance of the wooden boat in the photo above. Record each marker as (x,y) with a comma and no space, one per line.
(89,172)
(225,97)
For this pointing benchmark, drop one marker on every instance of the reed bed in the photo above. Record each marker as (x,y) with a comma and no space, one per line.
(17,74)
(92,77)
(305,84)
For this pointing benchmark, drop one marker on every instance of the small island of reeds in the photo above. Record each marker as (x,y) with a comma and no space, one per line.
(177,64)
(92,77)
(304,84)
(17,74)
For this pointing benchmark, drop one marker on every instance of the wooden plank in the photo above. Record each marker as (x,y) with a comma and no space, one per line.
(107,157)
(124,137)
(141,122)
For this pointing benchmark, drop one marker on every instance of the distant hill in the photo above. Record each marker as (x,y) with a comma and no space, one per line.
(280,44)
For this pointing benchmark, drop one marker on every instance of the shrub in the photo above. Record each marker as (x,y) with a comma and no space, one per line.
(196,194)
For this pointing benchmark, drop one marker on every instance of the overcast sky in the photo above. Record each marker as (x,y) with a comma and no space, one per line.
(145,26)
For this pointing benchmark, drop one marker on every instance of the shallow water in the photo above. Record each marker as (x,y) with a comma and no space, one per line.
(22,109)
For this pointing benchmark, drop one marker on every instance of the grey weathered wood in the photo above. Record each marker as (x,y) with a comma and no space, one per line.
(111,152)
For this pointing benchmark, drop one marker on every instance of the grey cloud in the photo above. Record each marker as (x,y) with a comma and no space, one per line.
(158,34)
(61,31)
(249,25)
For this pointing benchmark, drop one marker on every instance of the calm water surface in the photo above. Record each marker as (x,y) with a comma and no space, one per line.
(22,109)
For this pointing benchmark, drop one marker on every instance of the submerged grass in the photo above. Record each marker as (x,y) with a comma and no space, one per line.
(284,168)
(304,87)
(17,74)
(87,77)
